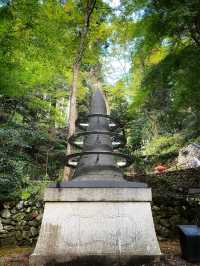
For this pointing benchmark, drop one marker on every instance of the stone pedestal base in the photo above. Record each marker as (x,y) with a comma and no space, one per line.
(96,233)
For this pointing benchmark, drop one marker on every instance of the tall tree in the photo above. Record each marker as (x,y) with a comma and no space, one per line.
(88,9)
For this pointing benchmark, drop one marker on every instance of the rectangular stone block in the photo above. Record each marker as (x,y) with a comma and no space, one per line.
(116,231)
(98,194)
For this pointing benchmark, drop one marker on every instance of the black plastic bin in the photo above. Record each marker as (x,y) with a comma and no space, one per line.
(190,242)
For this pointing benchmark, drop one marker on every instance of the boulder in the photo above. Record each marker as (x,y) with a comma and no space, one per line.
(189,156)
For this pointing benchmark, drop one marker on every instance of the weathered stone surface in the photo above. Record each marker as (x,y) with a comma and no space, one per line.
(189,156)
(38,204)
(98,194)
(39,217)
(26,234)
(34,231)
(6,205)
(171,211)
(33,223)
(5,213)
(28,210)
(22,223)
(9,228)
(96,228)
(3,234)
(7,221)
(20,205)
(1,225)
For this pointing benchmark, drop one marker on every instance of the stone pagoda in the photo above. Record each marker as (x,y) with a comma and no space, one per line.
(97,218)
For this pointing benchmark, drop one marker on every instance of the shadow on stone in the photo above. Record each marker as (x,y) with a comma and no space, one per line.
(106,261)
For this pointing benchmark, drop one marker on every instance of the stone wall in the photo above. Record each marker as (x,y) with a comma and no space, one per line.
(172,205)
(167,215)
(172,202)
(20,222)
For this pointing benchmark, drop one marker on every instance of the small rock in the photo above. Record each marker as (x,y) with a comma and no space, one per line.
(164,223)
(38,205)
(6,205)
(1,225)
(20,205)
(26,203)
(33,223)
(155,208)
(35,214)
(18,235)
(28,217)
(26,227)
(25,234)
(161,238)
(13,223)
(3,235)
(39,217)
(5,213)
(11,234)
(6,221)
(34,231)
(28,210)
(9,227)
(13,211)
(23,223)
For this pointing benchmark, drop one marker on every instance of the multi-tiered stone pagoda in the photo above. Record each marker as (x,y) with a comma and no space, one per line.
(97,218)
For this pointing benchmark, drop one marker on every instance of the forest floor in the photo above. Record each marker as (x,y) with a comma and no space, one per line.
(19,256)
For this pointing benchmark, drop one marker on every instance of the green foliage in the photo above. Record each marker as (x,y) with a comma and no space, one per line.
(163,144)
(27,154)
(164,95)
(39,41)
(158,101)
(33,189)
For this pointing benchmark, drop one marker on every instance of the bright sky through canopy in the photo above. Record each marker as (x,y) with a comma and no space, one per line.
(116,63)
(113,3)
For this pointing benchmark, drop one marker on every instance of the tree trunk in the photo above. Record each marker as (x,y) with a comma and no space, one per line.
(76,67)
(72,115)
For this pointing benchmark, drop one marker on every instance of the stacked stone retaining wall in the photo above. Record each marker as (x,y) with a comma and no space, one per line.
(172,205)
(20,222)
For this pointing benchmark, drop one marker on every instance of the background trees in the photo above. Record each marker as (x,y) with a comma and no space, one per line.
(163,85)
(52,49)
(44,45)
